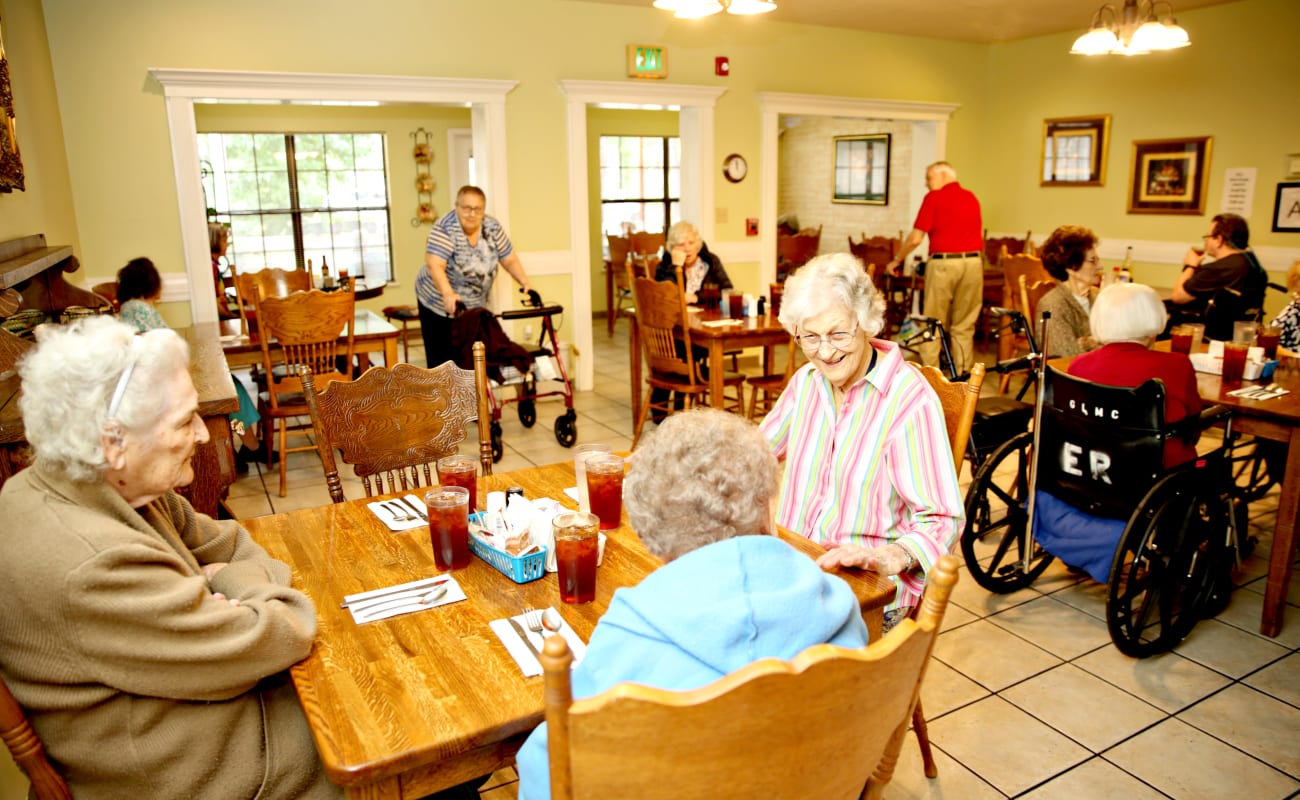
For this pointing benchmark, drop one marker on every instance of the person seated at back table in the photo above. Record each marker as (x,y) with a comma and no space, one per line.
(869,470)
(138,287)
(698,493)
(146,642)
(1227,273)
(1288,319)
(1070,256)
(1126,318)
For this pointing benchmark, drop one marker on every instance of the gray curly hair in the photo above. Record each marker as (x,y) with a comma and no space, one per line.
(68,382)
(704,476)
(827,281)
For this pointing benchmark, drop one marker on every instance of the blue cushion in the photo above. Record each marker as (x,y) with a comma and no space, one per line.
(1079,539)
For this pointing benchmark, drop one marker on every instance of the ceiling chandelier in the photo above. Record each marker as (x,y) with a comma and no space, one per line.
(694,9)
(1131,32)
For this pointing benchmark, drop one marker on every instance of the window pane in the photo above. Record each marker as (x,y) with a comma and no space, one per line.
(277,231)
(347,258)
(273,189)
(652,152)
(316,232)
(343,189)
(243,191)
(311,189)
(369,151)
(674,182)
(269,151)
(309,151)
(239,151)
(374,230)
(371,189)
(346,227)
(245,239)
(338,151)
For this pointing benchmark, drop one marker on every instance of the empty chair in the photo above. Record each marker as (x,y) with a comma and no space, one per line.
(794,251)
(771,384)
(831,726)
(271,282)
(312,329)
(620,250)
(393,424)
(996,249)
(1013,267)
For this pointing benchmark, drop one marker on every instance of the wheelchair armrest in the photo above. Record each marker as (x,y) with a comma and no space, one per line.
(1192,427)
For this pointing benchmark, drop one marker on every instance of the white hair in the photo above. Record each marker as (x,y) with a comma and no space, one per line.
(678,232)
(704,476)
(834,279)
(1127,312)
(69,380)
(943,168)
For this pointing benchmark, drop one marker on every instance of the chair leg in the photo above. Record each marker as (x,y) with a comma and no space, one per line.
(923,740)
(640,422)
(284,457)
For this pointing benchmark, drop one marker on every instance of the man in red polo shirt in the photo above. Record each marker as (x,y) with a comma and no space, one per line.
(954,278)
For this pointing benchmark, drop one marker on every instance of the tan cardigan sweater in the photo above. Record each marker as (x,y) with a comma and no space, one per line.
(140,682)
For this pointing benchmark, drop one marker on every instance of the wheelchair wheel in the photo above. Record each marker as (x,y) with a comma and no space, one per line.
(498,449)
(1170,567)
(566,428)
(996,517)
(527,413)
(1254,468)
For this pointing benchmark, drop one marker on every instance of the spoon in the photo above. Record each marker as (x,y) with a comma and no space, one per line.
(551,620)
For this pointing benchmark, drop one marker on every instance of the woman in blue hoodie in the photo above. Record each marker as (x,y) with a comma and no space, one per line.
(698,493)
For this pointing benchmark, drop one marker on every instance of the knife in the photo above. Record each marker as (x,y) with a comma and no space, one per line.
(419,512)
(414,587)
(519,629)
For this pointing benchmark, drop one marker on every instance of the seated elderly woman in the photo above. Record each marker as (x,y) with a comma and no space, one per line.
(869,471)
(685,249)
(138,287)
(1070,256)
(698,493)
(1126,319)
(145,641)
(1288,319)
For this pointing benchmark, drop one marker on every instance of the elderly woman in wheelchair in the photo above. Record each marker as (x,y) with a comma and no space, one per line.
(1110,481)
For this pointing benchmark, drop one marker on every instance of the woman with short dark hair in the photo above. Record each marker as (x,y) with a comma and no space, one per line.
(1070,256)
(138,287)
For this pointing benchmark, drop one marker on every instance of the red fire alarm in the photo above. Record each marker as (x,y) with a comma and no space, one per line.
(751,226)
(722,66)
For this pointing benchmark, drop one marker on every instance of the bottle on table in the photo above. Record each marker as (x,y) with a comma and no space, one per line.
(1126,268)
(326,279)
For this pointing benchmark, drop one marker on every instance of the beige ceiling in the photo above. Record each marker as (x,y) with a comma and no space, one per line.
(960,20)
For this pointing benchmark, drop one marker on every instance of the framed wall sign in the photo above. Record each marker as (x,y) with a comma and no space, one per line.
(1286,208)
(1169,176)
(1074,151)
(861,173)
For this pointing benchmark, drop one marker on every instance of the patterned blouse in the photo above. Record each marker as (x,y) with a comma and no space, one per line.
(1289,321)
(142,315)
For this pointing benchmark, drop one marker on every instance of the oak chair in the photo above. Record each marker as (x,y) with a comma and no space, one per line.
(998,248)
(273,282)
(312,329)
(661,307)
(959,402)
(765,730)
(27,751)
(876,251)
(108,291)
(771,385)
(1013,268)
(393,424)
(620,250)
(793,251)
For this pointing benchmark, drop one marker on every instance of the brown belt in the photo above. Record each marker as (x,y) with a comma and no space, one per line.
(971,254)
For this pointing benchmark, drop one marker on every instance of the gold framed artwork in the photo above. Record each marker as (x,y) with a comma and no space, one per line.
(861,172)
(11,163)
(1169,176)
(1074,151)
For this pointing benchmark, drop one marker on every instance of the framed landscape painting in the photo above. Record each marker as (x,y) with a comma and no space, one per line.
(1074,151)
(861,171)
(1169,176)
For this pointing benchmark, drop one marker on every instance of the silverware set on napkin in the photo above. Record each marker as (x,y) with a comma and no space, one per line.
(383,601)
(1260,392)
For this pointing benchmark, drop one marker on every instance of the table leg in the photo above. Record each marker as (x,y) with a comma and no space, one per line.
(634,356)
(390,352)
(1282,555)
(716,372)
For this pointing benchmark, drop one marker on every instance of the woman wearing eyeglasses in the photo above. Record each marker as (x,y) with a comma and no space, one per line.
(868,470)
(1070,256)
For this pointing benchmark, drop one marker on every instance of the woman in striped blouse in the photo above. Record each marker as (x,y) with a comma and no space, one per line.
(868,470)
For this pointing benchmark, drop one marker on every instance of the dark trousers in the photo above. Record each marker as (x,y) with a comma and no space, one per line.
(435,329)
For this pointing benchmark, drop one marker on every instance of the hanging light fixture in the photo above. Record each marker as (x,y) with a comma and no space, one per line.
(694,9)
(1134,31)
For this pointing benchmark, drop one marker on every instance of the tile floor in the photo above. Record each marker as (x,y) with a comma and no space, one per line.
(1026,696)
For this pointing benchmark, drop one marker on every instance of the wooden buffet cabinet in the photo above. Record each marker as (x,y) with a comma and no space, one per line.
(31,274)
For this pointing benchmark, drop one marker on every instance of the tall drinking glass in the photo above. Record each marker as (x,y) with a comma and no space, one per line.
(577,549)
(580,454)
(460,470)
(1269,338)
(449,525)
(1234,361)
(1180,339)
(605,488)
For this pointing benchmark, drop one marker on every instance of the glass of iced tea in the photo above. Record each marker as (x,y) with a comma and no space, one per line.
(580,455)
(577,549)
(460,471)
(1268,338)
(1180,339)
(1234,361)
(449,525)
(605,488)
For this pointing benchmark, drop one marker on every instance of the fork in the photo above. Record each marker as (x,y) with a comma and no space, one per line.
(399,515)
(533,619)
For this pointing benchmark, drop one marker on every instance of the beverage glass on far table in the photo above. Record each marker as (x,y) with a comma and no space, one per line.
(605,488)
(1180,339)
(1244,331)
(449,525)
(577,549)
(1268,339)
(1234,361)
(460,471)
(580,454)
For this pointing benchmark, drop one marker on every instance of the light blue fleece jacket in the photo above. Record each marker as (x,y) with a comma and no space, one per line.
(702,616)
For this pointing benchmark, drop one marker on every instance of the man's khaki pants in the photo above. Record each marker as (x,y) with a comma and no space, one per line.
(954,292)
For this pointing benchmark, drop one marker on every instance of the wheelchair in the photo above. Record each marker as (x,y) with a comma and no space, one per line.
(1088,485)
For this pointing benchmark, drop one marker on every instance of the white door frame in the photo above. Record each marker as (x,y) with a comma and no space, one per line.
(460,148)
(929,143)
(183,87)
(694,105)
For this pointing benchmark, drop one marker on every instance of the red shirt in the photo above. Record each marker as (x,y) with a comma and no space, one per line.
(951,217)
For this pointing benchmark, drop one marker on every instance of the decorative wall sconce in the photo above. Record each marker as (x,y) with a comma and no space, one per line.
(424,182)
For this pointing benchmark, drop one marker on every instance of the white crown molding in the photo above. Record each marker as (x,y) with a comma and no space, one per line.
(669,95)
(829,105)
(303,86)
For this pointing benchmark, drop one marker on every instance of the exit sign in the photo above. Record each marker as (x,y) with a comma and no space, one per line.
(647,61)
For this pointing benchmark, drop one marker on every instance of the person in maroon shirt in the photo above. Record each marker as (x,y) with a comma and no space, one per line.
(954,278)
(1126,318)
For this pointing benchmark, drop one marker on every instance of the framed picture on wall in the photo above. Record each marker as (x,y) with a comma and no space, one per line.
(1169,176)
(861,173)
(1074,151)
(1286,208)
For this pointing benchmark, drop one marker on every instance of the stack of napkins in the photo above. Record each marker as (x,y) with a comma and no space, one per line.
(527,662)
(403,598)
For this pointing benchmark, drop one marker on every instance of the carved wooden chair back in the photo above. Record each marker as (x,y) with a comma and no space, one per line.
(27,751)
(273,282)
(997,248)
(108,291)
(620,251)
(661,307)
(876,251)
(1031,293)
(854,703)
(958,400)
(393,424)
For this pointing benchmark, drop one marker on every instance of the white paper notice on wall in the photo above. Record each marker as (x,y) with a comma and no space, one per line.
(1238,190)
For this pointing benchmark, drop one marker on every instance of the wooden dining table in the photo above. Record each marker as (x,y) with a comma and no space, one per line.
(719,334)
(413,704)
(373,334)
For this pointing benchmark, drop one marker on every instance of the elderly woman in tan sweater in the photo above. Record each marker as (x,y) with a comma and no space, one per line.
(146,642)
(1070,256)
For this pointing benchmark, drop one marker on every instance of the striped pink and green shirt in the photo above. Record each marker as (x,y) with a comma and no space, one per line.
(877,471)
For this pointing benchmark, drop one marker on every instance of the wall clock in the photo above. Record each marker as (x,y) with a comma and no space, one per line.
(734,168)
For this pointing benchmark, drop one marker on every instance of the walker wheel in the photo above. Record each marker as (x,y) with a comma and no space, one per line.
(527,413)
(566,428)
(498,449)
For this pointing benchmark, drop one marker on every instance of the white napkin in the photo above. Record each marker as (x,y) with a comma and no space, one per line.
(528,664)
(386,516)
(417,590)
